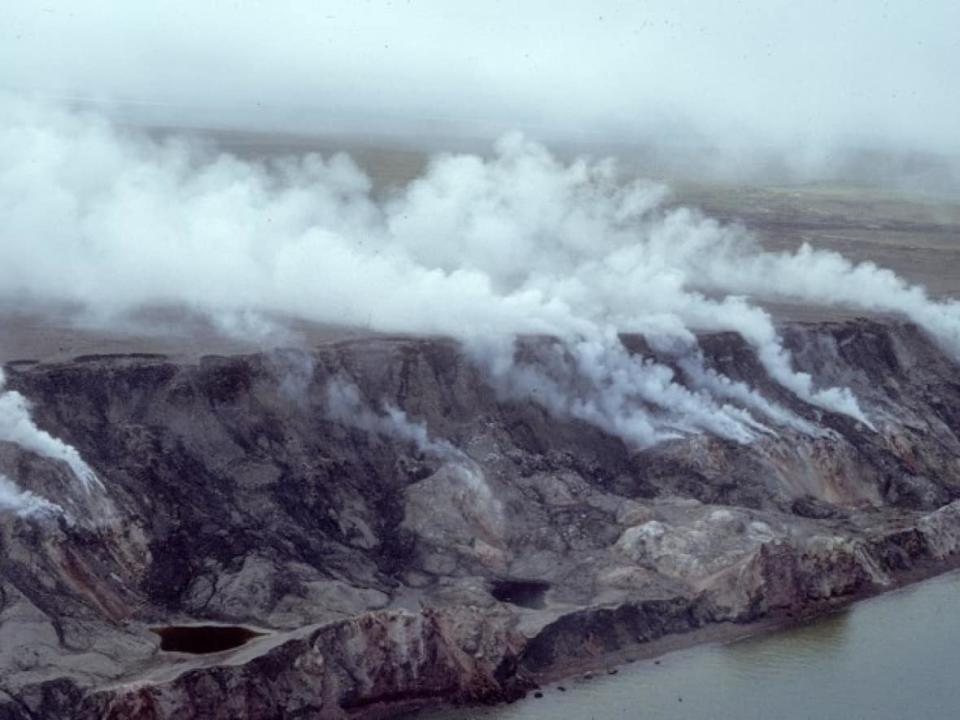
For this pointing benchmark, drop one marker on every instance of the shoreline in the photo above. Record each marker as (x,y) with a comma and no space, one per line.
(715,633)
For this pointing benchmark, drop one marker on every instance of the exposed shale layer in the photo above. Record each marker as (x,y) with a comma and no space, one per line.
(348,572)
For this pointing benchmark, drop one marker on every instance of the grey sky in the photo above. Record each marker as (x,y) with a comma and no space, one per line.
(755,71)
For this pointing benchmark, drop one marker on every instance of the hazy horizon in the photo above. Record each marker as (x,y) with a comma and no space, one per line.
(802,80)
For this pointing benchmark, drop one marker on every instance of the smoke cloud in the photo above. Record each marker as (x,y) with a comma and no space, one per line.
(17,427)
(459,473)
(23,502)
(483,250)
(345,404)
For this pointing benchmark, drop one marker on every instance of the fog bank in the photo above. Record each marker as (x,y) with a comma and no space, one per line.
(798,81)
(480,249)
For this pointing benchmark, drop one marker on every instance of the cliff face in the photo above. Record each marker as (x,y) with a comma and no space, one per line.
(383,568)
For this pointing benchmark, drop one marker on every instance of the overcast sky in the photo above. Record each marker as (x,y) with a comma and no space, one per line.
(757,71)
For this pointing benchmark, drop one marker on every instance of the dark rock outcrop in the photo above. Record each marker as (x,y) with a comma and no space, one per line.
(376,576)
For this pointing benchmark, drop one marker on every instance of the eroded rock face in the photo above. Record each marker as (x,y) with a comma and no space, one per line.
(375,576)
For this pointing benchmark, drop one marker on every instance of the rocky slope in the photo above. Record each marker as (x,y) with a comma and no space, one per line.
(255,555)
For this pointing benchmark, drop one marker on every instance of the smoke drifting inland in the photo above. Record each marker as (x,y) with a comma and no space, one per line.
(23,502)
(17,427)
(483,250)
(345,404)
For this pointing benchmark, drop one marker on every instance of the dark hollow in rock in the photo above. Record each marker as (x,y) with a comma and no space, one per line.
(523,593)
(811,507)
(203,639)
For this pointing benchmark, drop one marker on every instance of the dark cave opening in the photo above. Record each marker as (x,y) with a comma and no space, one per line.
(523,593)
(203,639)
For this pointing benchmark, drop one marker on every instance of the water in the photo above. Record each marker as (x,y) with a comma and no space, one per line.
(894,657)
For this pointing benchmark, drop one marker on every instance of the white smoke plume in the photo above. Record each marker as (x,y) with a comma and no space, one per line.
(345,404)
(17,427)
(600,382)
(23,502)
(483,250)
(709,380)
